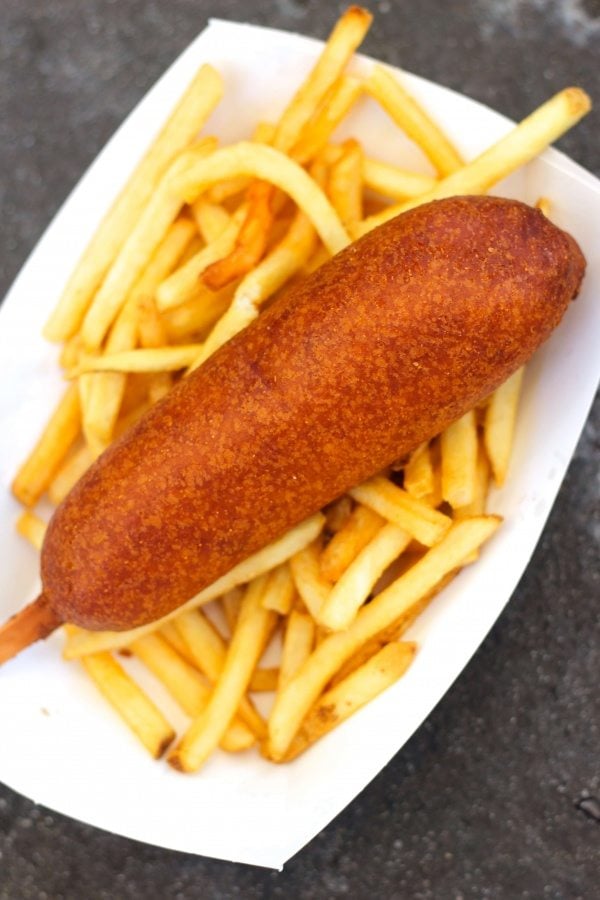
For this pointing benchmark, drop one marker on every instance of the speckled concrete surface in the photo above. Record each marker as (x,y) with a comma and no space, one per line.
(494,795)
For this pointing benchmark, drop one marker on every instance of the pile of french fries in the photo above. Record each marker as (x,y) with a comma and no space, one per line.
(201,239)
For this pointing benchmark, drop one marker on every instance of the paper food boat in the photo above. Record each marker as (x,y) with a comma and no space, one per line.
(61,745)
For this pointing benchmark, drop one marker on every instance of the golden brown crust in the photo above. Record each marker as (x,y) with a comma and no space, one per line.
(375,352)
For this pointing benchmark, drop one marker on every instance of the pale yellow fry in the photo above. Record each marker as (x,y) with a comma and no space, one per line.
(280,591)
(195,316)
(180,129)
(267,164)
(346,36)
(544,204)
(231,602)
(356,690)
(32,527)
(298,642)
(342,96)
(345,184)
(361,526)
(261,283)
(128,699)
(413,119)
(359,579)
(56,440)
(70,352)
(458,444)
(172,636)
(80,642)
(69,474)
(522,144)
(394,182)
(152,359)
(477,506)
(187,686)
(295,700)
(264,680)
(243,653)
(310,584)
(183,284)
(499,424)
(418,473)
(211,218)
(263,134)
(137,250)
(425,524)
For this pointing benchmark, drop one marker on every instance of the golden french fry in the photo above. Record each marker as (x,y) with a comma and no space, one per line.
(243,653)
(211,218)
(336,516)
(524,142)
(56,440)
(310,584)
(195,316)
(172,637)
(81,642)
(187,686)
(279,592)
(128,699)
(425,524)
(357,582)
(70,352)
(458,444)
(545,205)
(341,97)
(137,250)
(295,700)
(499,424)
(264,680)
(394,182)
(360,527)
(152,359)
(266,164)
(231,602)
(345,184)
(298,643)
(413,119)
(363,685)
(346,36)
(482,483)
(419,473)
(32,527)
(69,473)
(180,129)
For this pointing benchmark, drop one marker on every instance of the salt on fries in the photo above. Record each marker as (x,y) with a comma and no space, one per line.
(197,243)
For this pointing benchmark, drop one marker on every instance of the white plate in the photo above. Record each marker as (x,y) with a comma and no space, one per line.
(60,744)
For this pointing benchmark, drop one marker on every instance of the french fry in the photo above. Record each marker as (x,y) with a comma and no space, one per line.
(137,250)
(414,120)
(346,36)
(153,359)
(336,516)
(211,218)
(70,352)
(363,685)
(458,444)
(295,700)
(69,473)
(196,315)
(357,582)
(128,699)
(419,473)
(394,182)
(345,184)
(279,592)
(243,653)
(56,440)
(361,526)
(342,95)
(32,527)
(264,680)
(425,524)
(187,686)
(524,142)
(172,637)
(482,483)
(184,123)
(310,584)
(231,602)
(266,164)
(499,424)
(298,643)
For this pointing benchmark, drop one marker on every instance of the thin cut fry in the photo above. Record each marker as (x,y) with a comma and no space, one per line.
(359,579)
(361,526)
(345,184)
(298,643)
(243,653)
(499,424)
(56,440)
(180,129)
(363,685)
(134,706)
(412,118)
(264,680)
(231,602)
(336,516)
(279,593)
(196,315)
(341,97)
(137,250)
(425,524)
(172,637)
(295,700)
(80,642)
(459,460)
(152,359)
(524,142)
(32,527)
(394,182)
(418,473)
(310,584)
(211,218)
(69,474)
